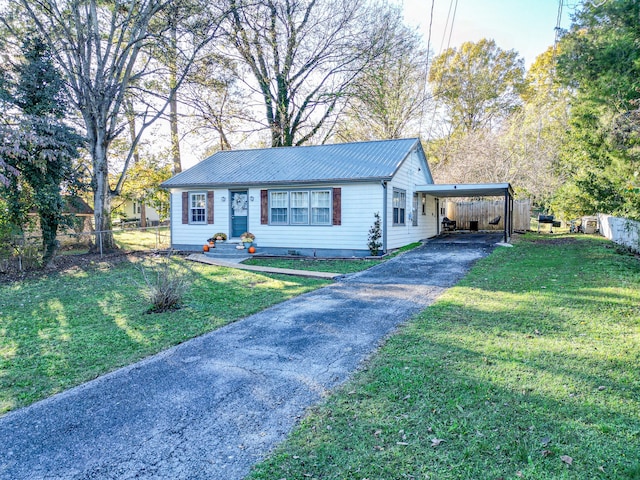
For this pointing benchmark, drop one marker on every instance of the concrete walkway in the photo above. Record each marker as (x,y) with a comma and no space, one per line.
(199,257)
(212,407)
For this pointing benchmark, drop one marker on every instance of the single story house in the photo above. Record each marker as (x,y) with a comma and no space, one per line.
(134,211)
(308,200)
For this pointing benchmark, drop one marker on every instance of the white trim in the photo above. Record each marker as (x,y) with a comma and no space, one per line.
(191,208)
(466,189)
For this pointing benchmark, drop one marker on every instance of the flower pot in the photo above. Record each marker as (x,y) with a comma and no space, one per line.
(247,244)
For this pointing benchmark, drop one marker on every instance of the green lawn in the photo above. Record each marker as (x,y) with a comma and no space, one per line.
(137,239)
(528,368)
(343,266)
(59,331)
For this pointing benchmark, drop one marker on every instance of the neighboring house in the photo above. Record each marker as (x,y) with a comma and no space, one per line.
(133,212)
(308,200)
(76,207)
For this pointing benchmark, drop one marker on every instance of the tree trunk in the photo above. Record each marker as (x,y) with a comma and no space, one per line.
(101,193)
(173,99)
(143,215)
(49,227)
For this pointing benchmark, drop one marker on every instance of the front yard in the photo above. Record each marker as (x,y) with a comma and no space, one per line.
(529,368)
(64,329)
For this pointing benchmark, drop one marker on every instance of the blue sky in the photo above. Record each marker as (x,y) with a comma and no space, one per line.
(527,26)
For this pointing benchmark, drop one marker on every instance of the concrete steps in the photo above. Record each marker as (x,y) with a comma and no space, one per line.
(227,250)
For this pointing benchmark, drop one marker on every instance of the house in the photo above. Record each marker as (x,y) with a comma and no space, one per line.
(132,212)
(308,200)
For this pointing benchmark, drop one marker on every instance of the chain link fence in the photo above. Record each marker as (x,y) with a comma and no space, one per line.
(24,252)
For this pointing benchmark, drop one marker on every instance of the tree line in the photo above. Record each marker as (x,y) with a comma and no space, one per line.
(82,83)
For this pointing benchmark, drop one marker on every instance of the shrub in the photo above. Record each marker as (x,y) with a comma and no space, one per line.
(164,285)
(375,233)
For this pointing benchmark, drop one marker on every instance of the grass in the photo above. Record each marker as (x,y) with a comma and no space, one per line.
(137,239)
(129,239)
(342,266)
(528,368)
(60,331)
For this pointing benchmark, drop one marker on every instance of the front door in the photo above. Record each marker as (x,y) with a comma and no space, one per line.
(239,210)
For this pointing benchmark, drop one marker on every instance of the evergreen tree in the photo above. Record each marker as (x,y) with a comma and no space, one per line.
(39,145)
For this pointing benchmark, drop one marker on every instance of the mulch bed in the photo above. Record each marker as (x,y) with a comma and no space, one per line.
(63,263)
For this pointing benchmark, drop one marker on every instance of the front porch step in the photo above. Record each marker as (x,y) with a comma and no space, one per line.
(227,250)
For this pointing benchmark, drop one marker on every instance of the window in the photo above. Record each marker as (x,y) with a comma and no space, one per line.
(399,206)
(198,207)
(424,204)
(321,208)
(414,210)
(300,207)
(279,208)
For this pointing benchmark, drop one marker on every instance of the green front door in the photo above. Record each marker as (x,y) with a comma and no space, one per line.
(239,209)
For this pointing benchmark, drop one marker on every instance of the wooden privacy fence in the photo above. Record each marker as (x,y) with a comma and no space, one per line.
(484,211)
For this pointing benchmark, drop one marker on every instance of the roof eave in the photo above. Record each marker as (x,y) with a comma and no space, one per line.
(279,182)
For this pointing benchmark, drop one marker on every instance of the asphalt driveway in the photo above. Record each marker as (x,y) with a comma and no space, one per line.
(212,407)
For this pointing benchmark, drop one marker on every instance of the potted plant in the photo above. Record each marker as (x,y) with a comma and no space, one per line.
(220,237)
(247,238)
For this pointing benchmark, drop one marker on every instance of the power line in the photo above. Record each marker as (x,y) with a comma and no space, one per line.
(455,9)
(426,67)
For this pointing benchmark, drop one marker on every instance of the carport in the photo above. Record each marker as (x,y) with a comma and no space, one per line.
(475,190)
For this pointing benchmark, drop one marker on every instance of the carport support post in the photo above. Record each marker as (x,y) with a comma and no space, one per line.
(508,212)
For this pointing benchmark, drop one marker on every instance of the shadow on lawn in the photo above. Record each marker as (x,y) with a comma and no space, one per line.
(67,328)
(511,370)
(496,414)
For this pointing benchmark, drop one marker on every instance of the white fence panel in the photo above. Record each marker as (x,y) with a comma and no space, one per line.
(620,230)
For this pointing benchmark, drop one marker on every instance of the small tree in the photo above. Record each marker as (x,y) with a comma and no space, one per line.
(375,234)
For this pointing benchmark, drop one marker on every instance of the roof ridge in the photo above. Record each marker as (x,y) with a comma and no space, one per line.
(285,147)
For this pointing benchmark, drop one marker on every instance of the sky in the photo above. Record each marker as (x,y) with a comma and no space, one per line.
(527,26)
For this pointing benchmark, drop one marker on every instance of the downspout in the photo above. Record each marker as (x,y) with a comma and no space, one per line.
(384,216)
(171,222)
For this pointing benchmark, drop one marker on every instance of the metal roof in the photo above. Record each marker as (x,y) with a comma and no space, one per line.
(362,161)
(467,190)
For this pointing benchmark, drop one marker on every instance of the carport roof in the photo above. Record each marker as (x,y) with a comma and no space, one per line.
(467,190)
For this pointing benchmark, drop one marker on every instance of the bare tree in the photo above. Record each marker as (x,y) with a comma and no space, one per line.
(218,105)
(98,46)
(302,55)
(388,98)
